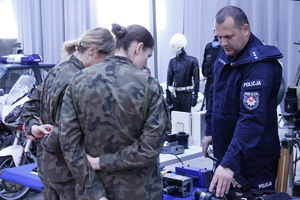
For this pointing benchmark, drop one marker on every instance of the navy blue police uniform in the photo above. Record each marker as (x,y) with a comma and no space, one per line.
(210,54)
(241,115)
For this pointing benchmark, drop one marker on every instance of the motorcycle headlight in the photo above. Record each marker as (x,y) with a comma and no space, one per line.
(14,114)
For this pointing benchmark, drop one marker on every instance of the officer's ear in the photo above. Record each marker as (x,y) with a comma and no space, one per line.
(246,30)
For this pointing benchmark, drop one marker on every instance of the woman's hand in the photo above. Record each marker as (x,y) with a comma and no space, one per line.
(39,131)
(94,162)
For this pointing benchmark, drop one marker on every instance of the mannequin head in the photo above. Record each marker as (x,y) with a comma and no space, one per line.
(178,43)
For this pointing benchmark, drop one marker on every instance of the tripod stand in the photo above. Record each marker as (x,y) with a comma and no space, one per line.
(287,162)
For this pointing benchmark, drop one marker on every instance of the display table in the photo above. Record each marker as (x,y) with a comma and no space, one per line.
(23,175)
(190,153)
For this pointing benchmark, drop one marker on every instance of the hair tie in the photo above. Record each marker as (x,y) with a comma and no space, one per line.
(77,44)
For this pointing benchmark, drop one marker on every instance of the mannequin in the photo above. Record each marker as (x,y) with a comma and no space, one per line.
(183,77)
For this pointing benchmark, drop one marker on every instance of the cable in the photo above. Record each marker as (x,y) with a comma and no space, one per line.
(179,159)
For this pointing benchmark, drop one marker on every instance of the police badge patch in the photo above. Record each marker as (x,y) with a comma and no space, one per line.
(251,100)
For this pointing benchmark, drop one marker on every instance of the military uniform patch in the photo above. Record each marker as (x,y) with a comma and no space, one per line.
(251,100)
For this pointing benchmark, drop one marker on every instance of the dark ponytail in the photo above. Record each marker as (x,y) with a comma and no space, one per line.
(125,36)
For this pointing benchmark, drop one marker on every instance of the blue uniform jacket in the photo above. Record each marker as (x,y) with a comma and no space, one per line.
(241,115)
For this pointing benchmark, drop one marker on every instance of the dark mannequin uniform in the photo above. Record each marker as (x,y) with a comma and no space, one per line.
(183,76)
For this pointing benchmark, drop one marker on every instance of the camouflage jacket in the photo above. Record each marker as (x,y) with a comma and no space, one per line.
(51,163)
(102,115)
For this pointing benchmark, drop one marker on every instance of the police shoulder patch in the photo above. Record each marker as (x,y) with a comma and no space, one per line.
(251,100)
(253,84)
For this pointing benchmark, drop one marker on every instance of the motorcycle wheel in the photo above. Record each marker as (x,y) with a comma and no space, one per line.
(10,190)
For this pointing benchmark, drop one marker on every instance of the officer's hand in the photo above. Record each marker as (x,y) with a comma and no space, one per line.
(206,141)
(221,181)
(103,198)
(94,162)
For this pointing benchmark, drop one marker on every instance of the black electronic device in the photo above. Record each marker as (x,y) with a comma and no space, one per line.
(201,176)
(291,101)
(177,185)
(201,194)
(170,137)
(172,148)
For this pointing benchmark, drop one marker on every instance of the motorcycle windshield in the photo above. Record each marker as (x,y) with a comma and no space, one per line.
(22,86)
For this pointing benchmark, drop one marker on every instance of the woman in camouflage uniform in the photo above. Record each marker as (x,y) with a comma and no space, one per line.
(115,114)
(91,48)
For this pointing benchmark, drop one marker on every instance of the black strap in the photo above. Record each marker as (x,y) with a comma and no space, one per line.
(145,103)
(57,101)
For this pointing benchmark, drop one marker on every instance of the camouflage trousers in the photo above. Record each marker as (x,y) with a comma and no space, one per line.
(59,191)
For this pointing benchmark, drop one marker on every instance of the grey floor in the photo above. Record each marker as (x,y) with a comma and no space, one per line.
(200,162)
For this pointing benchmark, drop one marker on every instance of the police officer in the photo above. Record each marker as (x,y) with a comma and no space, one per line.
(210,54)
(241,115)
(116,113)
(183,77)
(91,48)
